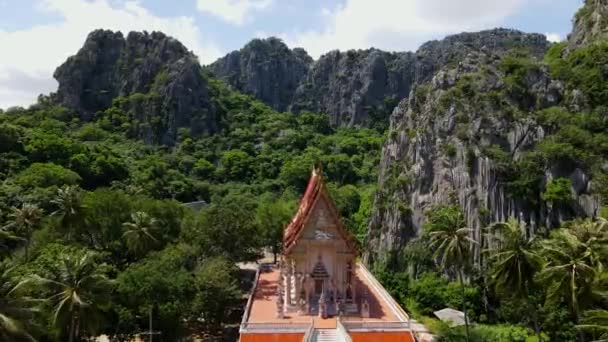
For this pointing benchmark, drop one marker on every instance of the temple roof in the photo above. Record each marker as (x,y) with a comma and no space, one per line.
(315,190)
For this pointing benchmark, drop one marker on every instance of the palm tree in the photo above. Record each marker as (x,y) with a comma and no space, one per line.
(23,221)
(594,235)
(69,207)
(79,291)
(596,321)
(139,233)
(16,311)
(450,238)
(569,271)
(514,262)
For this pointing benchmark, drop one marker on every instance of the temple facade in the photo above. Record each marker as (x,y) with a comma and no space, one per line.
(319,291)
(319,258)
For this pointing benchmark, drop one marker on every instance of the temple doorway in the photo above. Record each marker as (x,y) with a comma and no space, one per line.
(318,286)
(319,275)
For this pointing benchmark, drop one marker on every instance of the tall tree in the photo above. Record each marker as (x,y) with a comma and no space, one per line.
(451,240)
(569,271)
(227,229)
(217,291)
(594,235)
(595,321)
(23,221)
(272,216)
(16,310)
(70,208)
(515,262)
(79,291)
(139,233)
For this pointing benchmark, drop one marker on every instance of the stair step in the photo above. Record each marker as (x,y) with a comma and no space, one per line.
(326,335)
(351,308)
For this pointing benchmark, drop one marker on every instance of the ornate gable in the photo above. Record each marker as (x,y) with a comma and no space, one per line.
(318,212)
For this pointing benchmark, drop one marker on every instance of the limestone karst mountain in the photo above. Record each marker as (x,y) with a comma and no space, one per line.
(266,69)
(158,80)
(356,87)
(590,24)
(470,118)
(494,134)
(155,75)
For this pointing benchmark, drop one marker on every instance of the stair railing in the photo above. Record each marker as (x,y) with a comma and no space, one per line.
(342,331)
(310,333)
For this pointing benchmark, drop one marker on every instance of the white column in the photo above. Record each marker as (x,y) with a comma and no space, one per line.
(288,279)
(298,288)
(294,279)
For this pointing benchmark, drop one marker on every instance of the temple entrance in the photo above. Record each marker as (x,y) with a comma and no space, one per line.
(319,275)
(318,286)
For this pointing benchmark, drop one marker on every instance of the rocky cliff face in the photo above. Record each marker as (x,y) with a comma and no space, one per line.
(266,69)
(165,77)
(467,138)
(590,24)
(352,86)
(357,87)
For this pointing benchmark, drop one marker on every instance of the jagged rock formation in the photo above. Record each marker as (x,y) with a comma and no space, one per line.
(451,50)
(357,87)
(590,24)
(164,76)
(352,86)
(266,69)
(456,139)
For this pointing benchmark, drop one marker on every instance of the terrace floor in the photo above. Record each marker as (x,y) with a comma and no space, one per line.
(263,306)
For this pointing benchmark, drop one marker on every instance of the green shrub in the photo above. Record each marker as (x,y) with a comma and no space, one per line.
(91,132)
(462,131)
(501,159)
(559,190)
(449,150)
(421,93)
(525,177)
(404,180)
(45,175)
(516,67)
(500,333)
(583,69)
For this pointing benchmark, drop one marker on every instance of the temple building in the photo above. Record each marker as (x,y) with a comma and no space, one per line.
(319,291)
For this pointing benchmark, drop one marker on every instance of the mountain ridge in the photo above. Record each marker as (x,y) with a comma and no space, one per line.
(349,85)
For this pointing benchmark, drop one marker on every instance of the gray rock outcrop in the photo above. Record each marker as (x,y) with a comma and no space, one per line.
(590,24)
(455,140)
(266,69)
(356,87)
(163,77)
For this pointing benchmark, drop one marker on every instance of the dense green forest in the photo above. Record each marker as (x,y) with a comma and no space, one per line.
(95,236)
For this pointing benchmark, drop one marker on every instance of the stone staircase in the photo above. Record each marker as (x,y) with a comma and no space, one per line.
(326,335)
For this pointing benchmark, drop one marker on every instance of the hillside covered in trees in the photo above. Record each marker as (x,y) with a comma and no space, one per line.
(482,191)
(86,206)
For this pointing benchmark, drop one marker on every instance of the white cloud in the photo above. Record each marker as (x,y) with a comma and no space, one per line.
(232,11)
(359,24)
(554,37)
(30,56)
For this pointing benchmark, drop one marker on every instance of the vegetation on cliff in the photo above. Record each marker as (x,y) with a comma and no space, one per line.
(530,133)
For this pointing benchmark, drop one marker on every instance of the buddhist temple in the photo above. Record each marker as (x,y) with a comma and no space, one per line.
(319,291)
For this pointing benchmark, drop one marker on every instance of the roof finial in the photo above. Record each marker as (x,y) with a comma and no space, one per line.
(317,169)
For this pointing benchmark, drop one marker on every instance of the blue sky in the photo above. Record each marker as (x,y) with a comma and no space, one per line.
(38,35)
